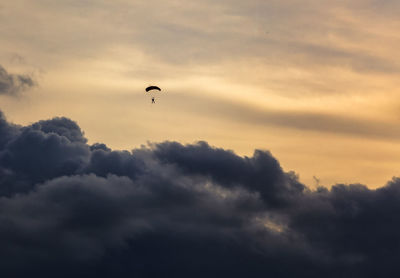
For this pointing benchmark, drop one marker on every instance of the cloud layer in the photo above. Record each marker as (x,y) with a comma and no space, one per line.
(70,208)
(12,84)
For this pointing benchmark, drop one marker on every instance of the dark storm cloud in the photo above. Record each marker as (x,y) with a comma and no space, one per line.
(12,84)
(356,227)
(72,209)
(230,170)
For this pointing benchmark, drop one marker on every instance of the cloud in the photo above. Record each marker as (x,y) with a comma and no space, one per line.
(314,121)
(70,208)
(13,84)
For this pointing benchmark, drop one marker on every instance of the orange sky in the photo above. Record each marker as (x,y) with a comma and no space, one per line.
(314,82)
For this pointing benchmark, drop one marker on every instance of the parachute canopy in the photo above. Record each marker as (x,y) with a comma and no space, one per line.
(152,88)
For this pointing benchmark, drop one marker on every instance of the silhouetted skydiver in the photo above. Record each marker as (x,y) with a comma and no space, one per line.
(152,89)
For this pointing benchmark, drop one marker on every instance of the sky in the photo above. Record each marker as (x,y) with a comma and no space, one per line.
(314,82)
(272,149)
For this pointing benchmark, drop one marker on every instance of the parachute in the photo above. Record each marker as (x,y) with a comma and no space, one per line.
(151,90)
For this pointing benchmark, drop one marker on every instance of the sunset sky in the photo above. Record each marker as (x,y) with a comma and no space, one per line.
(314,82)
(273,149)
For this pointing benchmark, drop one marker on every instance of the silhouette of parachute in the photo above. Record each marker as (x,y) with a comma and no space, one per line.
(152,88)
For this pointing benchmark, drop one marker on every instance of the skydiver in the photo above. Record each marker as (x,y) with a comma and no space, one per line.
(152,100)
